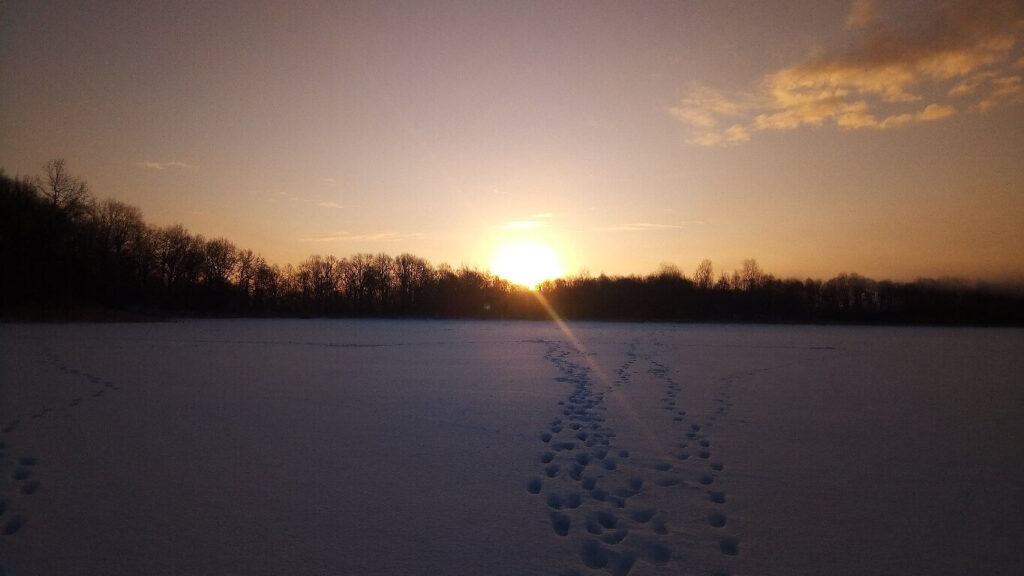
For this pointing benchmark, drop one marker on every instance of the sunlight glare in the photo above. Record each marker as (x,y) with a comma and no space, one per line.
(527,263)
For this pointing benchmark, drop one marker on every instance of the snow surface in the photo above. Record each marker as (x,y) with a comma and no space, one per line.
(435,447)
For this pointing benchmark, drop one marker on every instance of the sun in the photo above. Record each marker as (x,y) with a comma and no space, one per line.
(527,263)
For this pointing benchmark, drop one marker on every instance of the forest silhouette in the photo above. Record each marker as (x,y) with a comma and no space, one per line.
(66,255)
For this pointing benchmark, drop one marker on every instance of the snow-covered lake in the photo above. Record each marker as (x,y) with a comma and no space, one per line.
(437,447)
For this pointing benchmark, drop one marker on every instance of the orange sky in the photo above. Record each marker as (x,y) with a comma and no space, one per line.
(884,138)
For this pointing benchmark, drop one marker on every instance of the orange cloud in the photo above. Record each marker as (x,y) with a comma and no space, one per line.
(964,52)
(862,14)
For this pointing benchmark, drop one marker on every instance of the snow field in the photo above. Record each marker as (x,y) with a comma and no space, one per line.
(407,447)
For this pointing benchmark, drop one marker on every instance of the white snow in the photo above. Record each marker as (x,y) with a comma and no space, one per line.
(415,447)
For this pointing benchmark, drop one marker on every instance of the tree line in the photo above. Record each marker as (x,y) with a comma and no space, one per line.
(62,251)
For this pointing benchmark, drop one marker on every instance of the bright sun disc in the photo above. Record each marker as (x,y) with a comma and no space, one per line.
(527,263)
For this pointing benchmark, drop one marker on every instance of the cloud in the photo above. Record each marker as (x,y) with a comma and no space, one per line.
(523,225)
(641,227)
(959,57)
(369,237)
(862,14)
(334,205)
(704,107)
(165,165)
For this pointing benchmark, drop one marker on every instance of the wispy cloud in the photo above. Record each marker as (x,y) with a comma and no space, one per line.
(535,221)
(642,227)
(368,237)
(522,225)
(165,165)
(959,57)
(291,197)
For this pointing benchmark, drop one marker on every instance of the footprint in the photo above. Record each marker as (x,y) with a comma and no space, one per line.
(13,525)
(606,519)
(716,519)
(30,487)
(576,471)
(552,470)
(619,535)
(12,426)
(718,497)
(533,485)
(560,522)
(554,501)
(643,515)
(21,473)
(572,500)
(729,546)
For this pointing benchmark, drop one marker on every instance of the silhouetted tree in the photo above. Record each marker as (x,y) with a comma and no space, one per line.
(65,192)
(704,275)
(60,250)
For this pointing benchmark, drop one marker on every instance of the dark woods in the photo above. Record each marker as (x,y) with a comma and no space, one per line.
(62,252)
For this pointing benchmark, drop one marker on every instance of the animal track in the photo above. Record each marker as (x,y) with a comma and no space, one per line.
(22,472)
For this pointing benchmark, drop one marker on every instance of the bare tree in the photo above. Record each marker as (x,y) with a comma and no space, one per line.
(411,276)
(220,258)
(704,276)
(64,191)
(120,228)
(178,255)
(668,270)
(750,276)
(248,264)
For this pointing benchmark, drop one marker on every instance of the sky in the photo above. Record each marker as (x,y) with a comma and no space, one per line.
(815,136)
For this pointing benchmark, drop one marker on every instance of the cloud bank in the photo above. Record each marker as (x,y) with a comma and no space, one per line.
(165,165)
(958,57)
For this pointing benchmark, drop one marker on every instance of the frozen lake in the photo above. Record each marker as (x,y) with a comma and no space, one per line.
(440,447)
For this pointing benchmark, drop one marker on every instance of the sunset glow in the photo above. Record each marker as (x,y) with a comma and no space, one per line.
(818,137)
